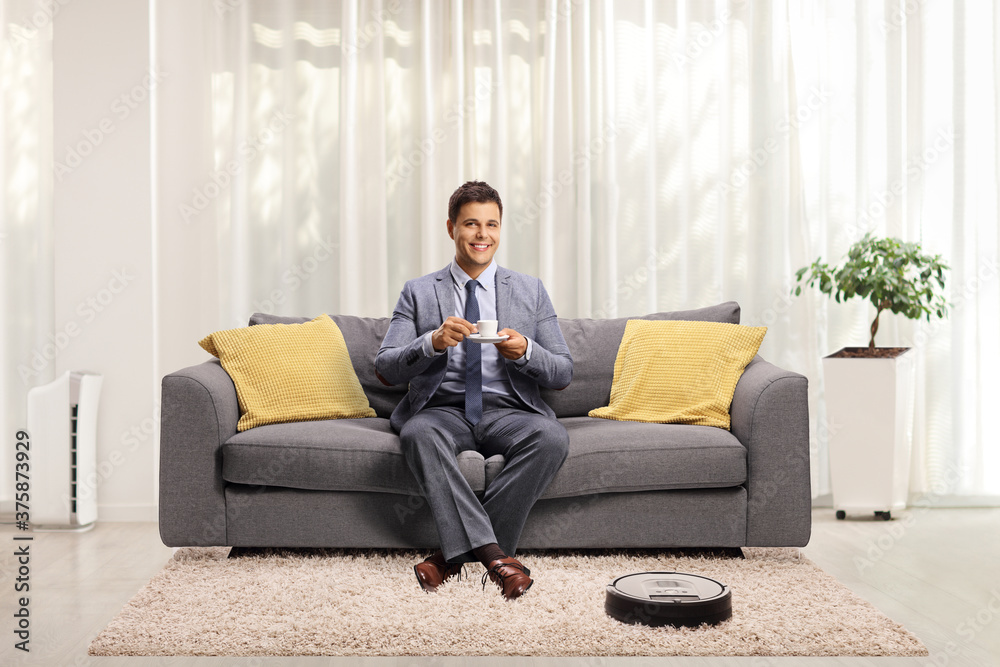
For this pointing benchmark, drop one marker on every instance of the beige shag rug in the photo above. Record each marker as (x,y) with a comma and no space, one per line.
(333,602)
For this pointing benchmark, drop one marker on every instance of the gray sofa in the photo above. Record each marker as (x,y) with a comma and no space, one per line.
(344,483)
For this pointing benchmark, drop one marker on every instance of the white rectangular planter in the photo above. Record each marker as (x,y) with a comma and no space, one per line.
(869,405)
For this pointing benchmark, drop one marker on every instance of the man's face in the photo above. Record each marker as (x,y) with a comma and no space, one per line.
(476,233)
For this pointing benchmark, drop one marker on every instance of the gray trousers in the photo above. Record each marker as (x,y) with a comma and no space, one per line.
(533,446)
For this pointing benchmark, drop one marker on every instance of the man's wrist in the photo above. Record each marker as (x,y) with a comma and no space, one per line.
(428,346)
(526,357)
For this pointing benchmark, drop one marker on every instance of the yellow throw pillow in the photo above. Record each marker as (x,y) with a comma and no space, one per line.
(290,372)
(679,372)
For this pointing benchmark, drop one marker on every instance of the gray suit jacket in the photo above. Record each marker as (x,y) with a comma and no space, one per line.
(426,302)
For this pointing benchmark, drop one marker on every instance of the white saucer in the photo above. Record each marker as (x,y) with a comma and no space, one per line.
(476,338)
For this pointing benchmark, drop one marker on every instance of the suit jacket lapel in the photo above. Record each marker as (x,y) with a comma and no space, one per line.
(443,288)
(502,286)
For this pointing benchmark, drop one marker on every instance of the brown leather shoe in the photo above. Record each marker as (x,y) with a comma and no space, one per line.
(510,575)
(430,575)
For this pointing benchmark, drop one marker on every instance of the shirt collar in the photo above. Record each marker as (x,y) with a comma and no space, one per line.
(487,278)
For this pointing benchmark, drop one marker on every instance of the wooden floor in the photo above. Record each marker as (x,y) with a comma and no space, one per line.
(937,572)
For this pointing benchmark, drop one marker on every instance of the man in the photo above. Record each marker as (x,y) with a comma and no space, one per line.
(465,395)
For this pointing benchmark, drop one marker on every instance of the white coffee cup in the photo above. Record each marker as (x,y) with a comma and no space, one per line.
(487,328)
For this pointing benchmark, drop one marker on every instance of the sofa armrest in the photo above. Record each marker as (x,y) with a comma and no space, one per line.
(770,416)
(199,412)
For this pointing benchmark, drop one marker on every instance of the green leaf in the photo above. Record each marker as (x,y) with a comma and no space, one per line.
(887,272)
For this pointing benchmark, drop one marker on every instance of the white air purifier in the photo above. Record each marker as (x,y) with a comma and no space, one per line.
(62,425)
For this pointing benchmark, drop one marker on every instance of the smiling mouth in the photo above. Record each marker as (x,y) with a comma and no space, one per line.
(480,246)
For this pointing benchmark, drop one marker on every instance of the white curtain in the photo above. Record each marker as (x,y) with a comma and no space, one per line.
(906,144)
(28,341)
(605,127)
(651,156)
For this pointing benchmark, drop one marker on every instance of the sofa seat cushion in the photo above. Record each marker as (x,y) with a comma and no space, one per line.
(617,456)
(604,457)
(330,455)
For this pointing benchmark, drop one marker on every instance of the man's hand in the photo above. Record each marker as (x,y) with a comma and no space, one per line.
(451,333)
(514,347)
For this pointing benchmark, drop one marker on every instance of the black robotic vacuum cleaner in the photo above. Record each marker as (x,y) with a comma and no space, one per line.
(668,598)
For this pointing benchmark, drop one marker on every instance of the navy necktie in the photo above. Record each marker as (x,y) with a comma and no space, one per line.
(473,358)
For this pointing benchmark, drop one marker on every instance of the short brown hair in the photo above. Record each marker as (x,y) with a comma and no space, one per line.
(472,191)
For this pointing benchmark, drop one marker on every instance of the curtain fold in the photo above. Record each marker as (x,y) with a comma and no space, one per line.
(650,155)
(905,144)
(30,339)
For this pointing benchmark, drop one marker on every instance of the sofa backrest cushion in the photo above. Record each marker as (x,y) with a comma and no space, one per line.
(593,344)
(594,347)
(363,336)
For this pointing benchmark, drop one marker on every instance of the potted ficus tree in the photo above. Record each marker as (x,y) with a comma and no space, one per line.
(869,390)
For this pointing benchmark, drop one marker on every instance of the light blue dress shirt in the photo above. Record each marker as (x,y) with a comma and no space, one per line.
(494,376)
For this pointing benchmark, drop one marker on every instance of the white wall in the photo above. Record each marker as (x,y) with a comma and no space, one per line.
(187,290)
(134,283)
(104,261)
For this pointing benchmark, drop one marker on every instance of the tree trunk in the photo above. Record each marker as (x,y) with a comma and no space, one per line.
(874,330)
